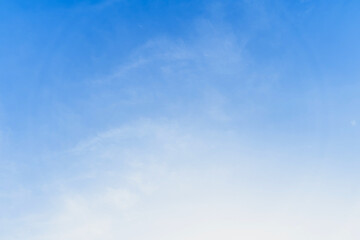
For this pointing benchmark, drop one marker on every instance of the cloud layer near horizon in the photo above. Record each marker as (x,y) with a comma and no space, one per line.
(170,181)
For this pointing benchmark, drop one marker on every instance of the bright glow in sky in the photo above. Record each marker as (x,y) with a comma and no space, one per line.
(182,120)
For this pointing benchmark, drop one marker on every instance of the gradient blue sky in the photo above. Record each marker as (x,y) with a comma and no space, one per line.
(239,117)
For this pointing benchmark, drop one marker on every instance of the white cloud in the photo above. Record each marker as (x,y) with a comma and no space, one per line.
(168,181)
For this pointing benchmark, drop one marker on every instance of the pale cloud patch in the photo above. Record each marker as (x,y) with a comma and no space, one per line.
(170,181)
(201,74)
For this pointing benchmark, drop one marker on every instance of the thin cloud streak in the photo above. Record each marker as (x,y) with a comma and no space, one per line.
(181,184)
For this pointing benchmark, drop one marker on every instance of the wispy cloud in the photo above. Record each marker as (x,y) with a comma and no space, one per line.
(167,180)
(182,142)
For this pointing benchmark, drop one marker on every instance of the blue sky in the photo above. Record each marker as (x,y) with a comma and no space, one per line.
(152,114)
